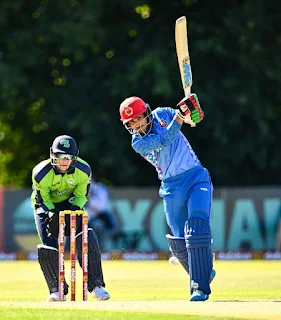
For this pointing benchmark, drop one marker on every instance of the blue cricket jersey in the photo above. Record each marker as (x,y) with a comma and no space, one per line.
(165,146)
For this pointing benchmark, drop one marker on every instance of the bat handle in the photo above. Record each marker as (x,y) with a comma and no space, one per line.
(189,121)
(187,92)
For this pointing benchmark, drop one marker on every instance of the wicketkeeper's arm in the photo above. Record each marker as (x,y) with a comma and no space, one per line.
(80,193)
(43,195)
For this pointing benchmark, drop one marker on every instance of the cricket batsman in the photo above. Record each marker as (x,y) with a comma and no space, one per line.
(61,183)
(186,186)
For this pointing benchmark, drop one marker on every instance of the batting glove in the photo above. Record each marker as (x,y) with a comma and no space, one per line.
(191,106)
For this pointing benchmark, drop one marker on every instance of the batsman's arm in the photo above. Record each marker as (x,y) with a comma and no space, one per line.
(190,109)
(151,142)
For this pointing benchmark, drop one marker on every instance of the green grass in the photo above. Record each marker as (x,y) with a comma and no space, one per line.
(147,290)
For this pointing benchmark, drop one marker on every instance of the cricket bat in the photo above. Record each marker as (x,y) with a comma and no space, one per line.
(184,59)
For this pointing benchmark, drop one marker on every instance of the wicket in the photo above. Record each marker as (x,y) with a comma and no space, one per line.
(73,215)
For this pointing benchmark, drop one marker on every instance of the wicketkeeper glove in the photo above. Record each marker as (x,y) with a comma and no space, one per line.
(52,224)
(191,106)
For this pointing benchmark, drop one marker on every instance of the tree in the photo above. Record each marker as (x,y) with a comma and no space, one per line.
(67,65)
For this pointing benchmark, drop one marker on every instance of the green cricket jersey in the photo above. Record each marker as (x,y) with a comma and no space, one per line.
(51,187)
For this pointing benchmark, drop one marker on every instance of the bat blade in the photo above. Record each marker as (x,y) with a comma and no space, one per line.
(183,57)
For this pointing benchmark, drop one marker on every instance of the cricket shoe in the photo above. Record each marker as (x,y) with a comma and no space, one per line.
(100,293)
(198,295)
(54,297)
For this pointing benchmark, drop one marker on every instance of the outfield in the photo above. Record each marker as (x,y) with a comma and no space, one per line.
(147,290)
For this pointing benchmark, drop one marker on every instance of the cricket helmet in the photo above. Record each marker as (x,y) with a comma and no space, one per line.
(64,145)
(131,108)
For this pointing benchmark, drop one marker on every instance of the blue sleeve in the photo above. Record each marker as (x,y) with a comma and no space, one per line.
(153,141)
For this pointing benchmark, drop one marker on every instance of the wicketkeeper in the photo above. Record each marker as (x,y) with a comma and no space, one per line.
(61,183)
(186,186)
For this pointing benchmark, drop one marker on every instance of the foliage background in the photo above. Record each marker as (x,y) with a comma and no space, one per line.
(67,65)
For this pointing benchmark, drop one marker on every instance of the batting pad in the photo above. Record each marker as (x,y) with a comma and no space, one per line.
(48,258)
(200,257)
(178,249)
(95,275)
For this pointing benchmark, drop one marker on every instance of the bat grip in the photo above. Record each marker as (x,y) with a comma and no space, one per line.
(187,92)
(189,121)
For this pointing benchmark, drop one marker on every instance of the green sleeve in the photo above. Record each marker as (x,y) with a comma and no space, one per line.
(81,190)
(80,193)
(42,190)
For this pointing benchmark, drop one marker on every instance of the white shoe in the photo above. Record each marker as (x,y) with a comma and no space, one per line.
(100,293)
(54,297)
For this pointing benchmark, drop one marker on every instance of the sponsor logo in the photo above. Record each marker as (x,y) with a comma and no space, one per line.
(128,111)
(140,256)
(85,290)
(71,181)
(72,235)
(232,255)
(72,249)
(61,233)
(194,285)
(272,256)
(59,193)
(8,256)
(204,189)
(73,275)
(85,265)
(65,143)
(163,123)
(61,264)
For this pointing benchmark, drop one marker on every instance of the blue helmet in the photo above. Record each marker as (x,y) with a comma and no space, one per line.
(64,145)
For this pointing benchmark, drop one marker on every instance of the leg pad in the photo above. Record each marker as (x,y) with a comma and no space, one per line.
(200,257)
(178,249)
(95,274)
(48,258)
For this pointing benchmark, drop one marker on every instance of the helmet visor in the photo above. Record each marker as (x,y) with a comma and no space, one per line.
(64,156)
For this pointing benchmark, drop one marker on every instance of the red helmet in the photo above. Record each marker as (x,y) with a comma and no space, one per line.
(131,108)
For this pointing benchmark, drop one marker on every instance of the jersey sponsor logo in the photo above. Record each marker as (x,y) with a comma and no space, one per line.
(65,143)
(71,181)
(163,123)
(204,189)
(60,193)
